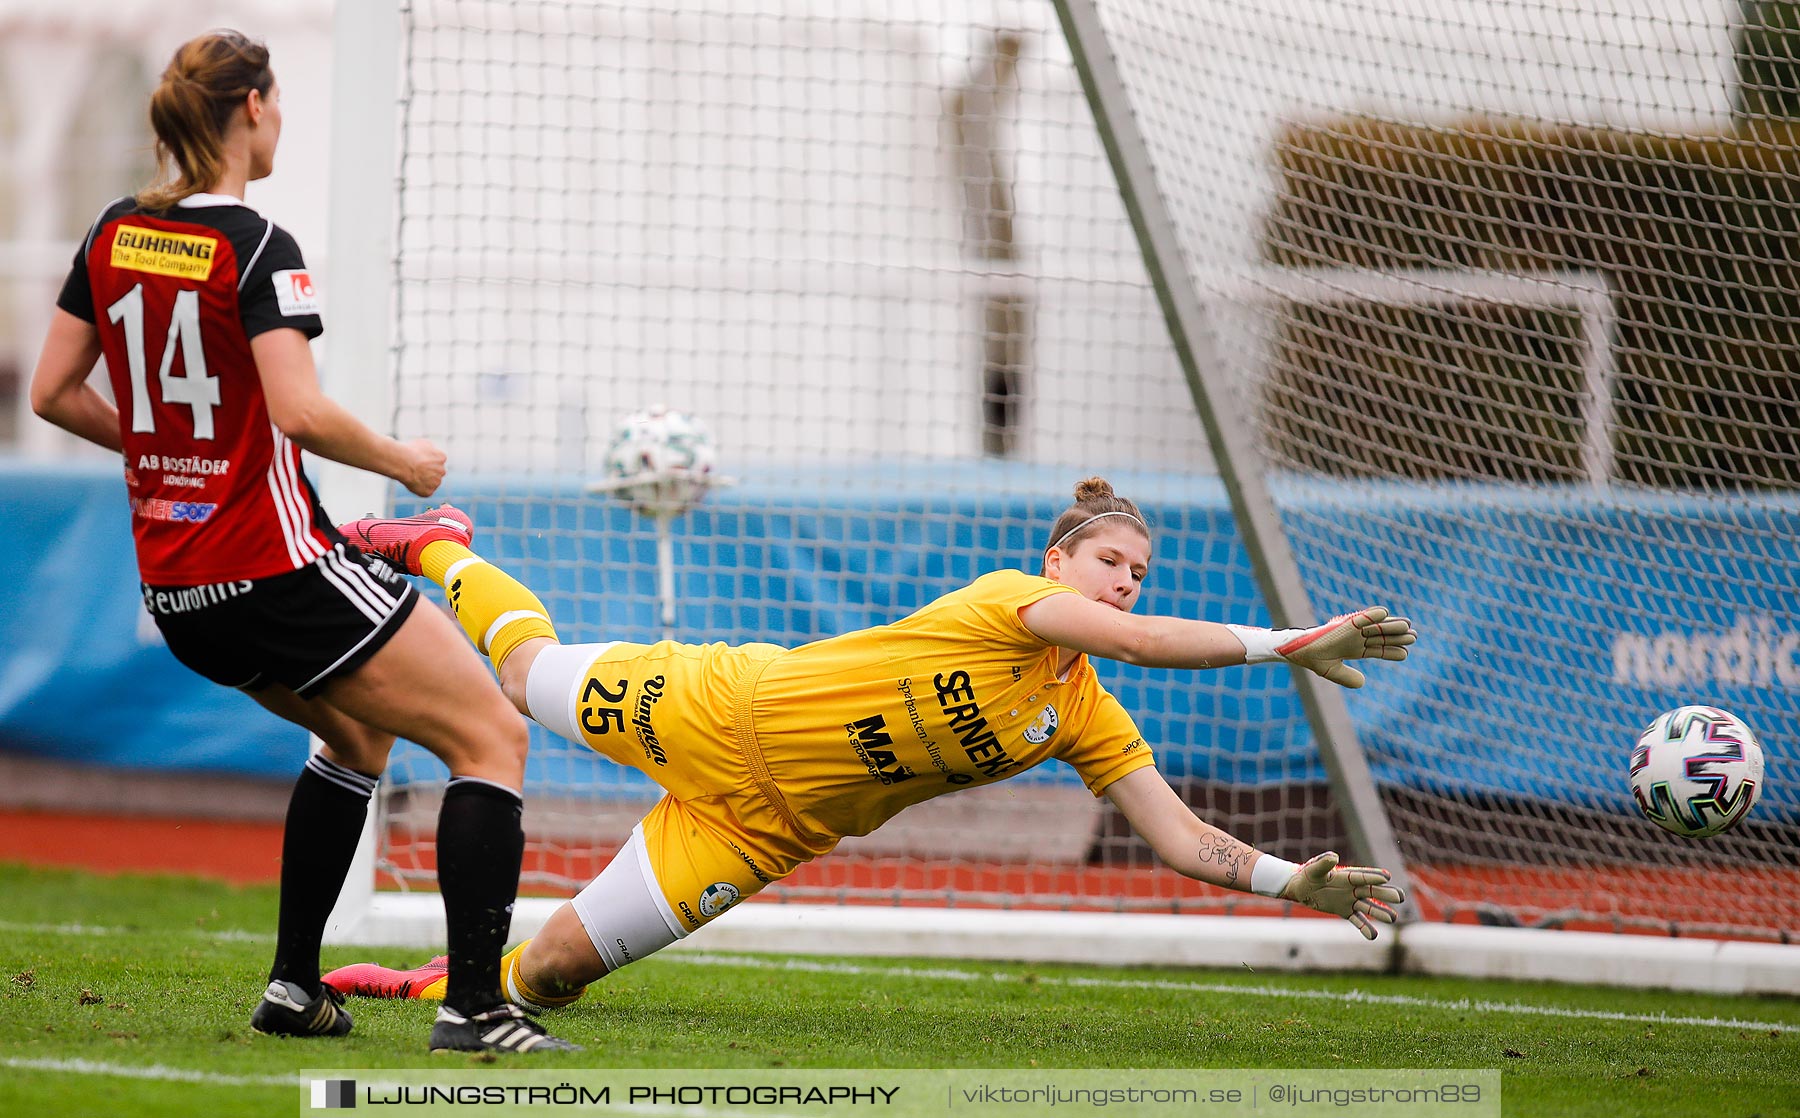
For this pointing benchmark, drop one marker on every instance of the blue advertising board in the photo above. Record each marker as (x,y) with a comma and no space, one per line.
(1554,625)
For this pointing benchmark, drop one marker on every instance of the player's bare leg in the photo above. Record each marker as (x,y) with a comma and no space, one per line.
(516,670)
(346,741)
(425,685)
(498,614)
(555,966)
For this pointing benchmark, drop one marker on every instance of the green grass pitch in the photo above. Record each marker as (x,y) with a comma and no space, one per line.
(131,996)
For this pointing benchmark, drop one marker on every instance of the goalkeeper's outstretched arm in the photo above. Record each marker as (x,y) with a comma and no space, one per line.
(1073,621)
(1197,849)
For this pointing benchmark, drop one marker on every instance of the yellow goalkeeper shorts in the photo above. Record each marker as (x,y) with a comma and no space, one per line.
(666,709)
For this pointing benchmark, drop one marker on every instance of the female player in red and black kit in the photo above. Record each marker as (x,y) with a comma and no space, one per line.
(203,309)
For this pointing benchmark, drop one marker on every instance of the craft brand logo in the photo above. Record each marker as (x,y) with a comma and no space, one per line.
(334,1094)
(164,254)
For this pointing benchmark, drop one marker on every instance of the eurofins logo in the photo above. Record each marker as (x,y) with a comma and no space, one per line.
(1039,732)
(717,897)
(181,255)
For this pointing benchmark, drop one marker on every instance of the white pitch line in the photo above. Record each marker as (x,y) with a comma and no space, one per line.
(954,975)
(149,1071)
(63,929)
(1347,996)
(235,935)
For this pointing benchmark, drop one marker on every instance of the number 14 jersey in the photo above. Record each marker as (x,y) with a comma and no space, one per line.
(217,493)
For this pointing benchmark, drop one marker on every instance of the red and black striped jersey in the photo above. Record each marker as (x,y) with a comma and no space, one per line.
(217,492)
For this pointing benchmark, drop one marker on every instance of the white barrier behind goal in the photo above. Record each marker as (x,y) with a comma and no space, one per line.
(1486,297)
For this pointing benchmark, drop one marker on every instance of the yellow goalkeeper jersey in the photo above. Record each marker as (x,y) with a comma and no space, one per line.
(857,727)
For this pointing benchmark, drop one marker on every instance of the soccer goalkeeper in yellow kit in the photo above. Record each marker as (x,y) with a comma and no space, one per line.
(769,756)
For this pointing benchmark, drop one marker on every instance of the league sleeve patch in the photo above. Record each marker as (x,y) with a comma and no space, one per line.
(295,293)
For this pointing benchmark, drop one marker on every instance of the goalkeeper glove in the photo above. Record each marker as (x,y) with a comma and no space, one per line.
(1367,634)
(1359,894)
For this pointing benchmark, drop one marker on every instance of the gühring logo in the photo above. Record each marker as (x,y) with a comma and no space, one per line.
(1755,652)
(334,1094)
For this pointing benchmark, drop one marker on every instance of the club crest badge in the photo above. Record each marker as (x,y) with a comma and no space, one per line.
(717,897)
(1039,732)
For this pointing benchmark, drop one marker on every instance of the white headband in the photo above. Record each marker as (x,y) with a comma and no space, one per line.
(1090,520)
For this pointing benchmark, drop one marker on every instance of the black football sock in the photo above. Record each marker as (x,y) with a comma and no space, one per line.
(479,844)
(318,842)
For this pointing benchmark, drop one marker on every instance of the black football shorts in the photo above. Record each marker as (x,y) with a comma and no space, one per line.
(298,629)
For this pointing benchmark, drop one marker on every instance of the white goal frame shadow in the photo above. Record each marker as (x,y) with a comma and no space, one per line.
(1580,292)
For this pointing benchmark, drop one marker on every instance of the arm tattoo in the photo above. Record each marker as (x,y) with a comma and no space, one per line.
(1227,853)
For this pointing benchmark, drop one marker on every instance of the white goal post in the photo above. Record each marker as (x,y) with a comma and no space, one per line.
(1454,334)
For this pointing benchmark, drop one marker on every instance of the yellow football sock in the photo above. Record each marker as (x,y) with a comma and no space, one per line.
(513,985)
(495,609)
(439,555)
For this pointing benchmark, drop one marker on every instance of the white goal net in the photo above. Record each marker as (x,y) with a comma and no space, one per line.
(1501,284)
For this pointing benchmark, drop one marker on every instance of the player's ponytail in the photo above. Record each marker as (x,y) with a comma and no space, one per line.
(208,78)
(1095,505)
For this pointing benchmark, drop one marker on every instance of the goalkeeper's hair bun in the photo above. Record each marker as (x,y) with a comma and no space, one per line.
(1096,507)
(1092,490)
(206,80)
